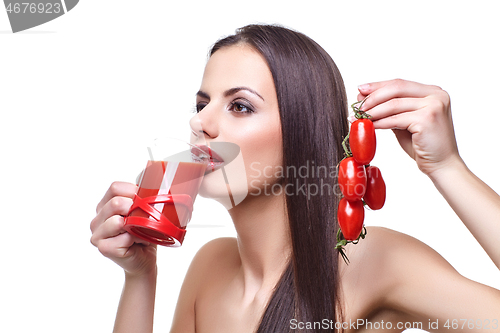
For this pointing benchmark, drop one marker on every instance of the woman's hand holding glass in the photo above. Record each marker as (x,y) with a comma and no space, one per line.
(136,256)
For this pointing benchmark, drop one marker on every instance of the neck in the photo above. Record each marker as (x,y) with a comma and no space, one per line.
(263,241)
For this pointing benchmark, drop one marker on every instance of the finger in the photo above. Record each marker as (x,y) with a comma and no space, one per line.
(380,92)
(110,228)
(367,88)
(115,206)
(121,189)
(116,247)
(400,121)
(361,97)
(395,106)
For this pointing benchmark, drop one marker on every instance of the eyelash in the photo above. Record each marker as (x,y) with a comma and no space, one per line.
(199,106)
(244,105)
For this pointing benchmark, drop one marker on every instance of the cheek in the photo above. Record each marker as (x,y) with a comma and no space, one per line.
(263,154)
(256,167)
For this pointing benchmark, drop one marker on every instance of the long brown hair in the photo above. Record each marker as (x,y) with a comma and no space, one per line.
(313,112)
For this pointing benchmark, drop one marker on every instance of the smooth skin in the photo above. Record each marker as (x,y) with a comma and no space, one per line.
(391,276)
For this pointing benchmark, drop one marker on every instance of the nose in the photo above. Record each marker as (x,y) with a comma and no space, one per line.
(204,125)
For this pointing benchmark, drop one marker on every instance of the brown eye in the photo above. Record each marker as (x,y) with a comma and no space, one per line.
(200,106)
(240,108)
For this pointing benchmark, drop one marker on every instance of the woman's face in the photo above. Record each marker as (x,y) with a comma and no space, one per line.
(237,103)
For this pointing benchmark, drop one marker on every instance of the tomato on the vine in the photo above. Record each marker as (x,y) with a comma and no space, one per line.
(351,215)
(357,181)
(352,179)
(375,188)
(363,141)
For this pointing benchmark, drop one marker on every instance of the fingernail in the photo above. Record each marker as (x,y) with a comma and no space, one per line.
(351,119)
(364,87)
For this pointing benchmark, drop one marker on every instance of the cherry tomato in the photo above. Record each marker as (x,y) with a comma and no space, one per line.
(352,179)
(363,141)
(375,188)
(351,215)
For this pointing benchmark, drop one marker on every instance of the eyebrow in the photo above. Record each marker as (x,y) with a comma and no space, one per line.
(230,92)
(202,94)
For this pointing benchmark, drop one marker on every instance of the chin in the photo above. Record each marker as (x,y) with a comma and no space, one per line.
(229,193)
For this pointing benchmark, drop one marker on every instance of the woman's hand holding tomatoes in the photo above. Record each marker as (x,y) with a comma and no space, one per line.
(419,115)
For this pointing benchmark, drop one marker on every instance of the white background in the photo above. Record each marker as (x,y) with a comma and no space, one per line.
(81,96)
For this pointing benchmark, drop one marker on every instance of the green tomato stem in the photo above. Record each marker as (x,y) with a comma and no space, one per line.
(357,110)
(347,151)
(341,243)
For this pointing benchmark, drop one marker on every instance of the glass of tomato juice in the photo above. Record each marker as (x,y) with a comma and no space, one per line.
(168,186)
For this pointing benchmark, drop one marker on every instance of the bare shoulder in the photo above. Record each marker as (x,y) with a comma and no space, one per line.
(397,275)
(216,255)
(385,255)
(213,261)
(376,266)
(388,247)
(218,246)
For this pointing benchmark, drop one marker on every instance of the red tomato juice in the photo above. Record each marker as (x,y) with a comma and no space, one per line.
(173,178)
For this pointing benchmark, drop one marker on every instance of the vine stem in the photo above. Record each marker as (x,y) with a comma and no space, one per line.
(341,242)
(344,145)
(357,109)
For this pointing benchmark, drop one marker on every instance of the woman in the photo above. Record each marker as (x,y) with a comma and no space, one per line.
(280,97)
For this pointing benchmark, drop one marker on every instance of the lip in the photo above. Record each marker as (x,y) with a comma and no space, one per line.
(213,166)
(215,162)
